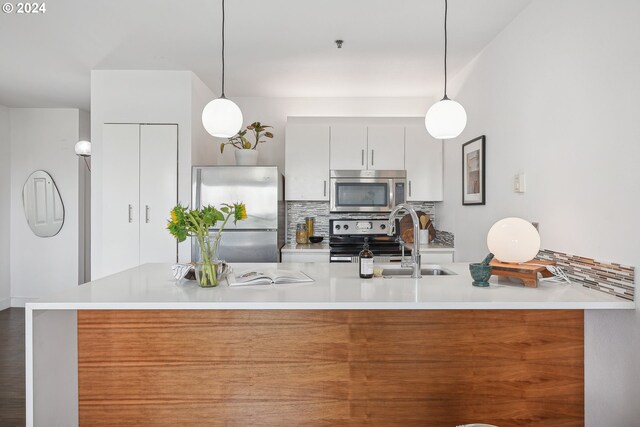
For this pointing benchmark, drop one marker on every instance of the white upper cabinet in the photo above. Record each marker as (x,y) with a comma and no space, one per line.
(314,146)
(423,162)
(349,147)
(385,147)
(307,162)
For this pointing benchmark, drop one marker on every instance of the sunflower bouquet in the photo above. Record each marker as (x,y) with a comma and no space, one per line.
(196,223)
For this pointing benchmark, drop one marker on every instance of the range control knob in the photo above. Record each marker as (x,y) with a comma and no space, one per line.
(383,226)
(346,227)
(338,227)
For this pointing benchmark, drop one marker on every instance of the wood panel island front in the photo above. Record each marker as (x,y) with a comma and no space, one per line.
(137,348)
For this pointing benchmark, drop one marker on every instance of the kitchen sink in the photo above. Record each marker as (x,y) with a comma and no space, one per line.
(430,270)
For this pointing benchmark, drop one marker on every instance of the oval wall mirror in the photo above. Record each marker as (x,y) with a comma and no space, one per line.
(42,204)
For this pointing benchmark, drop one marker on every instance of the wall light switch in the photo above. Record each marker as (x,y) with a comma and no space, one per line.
(519,183)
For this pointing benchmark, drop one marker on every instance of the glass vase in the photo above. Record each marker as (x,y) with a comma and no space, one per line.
(207,273)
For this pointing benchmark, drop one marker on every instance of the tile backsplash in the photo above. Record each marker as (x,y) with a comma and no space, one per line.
(608,277)
(297,211)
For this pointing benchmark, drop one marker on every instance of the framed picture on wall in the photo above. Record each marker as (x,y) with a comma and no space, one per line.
(473,171)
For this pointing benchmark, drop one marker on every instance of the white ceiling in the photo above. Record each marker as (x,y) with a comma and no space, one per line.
(275,48)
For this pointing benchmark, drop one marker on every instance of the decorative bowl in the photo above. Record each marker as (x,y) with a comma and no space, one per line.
(480,274)
(316,239)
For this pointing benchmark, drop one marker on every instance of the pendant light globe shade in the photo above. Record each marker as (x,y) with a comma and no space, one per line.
(222,118)
(83,148)
(445,119)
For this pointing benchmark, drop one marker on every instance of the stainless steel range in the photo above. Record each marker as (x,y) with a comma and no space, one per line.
(347,237)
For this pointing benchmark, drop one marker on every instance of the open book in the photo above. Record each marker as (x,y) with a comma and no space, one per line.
(257,277)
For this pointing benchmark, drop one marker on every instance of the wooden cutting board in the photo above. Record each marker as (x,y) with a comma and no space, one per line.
(406,228)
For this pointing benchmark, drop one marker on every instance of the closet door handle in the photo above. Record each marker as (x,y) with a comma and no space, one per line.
(325,189)
(146,213)
(130,213)
(372,157)
(409,188)
(362,157)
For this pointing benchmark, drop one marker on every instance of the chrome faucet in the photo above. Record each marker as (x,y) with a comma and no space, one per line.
(391,229)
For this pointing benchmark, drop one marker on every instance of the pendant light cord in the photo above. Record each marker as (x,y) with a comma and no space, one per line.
(222,96)
(445,48)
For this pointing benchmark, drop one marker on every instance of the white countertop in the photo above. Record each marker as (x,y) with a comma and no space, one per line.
(336,286)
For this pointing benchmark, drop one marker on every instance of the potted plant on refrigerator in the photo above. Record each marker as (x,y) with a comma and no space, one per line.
(247,153)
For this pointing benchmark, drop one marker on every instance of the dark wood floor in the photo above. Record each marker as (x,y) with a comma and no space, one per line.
(12,406)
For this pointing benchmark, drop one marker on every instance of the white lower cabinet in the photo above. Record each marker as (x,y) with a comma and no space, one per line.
(302,256)
(436,257)
(139,188)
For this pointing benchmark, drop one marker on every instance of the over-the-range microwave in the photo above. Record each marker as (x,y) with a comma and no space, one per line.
(367,190)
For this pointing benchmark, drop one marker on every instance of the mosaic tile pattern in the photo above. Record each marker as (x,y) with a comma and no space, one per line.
(297,211)
(611,278)
(444,238)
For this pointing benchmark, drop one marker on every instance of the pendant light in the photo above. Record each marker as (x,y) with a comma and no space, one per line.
(446,118)
(222,117)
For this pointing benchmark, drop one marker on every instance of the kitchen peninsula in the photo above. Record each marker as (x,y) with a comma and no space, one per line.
(135,348)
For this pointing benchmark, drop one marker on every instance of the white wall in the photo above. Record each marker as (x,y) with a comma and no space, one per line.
(274,112)
(557,95)
(44,138)
(204,150)
(138,96)
(5,208)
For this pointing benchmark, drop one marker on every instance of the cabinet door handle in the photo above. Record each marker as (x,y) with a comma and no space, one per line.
(362,157)
(409,188)
(371,157)
(146,214)
(130,213)
(325,189)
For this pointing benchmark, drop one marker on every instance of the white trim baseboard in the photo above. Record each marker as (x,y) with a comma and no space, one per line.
(5,303)
(21,301)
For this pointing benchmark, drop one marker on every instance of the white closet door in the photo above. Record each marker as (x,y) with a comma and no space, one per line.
(158,191)
(120,199)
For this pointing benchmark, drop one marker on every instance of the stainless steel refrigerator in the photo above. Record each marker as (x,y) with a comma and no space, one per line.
(259,237)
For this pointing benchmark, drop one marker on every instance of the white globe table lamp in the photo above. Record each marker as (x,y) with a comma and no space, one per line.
(513,240)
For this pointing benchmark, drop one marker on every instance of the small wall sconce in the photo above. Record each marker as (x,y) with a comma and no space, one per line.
(83,148)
